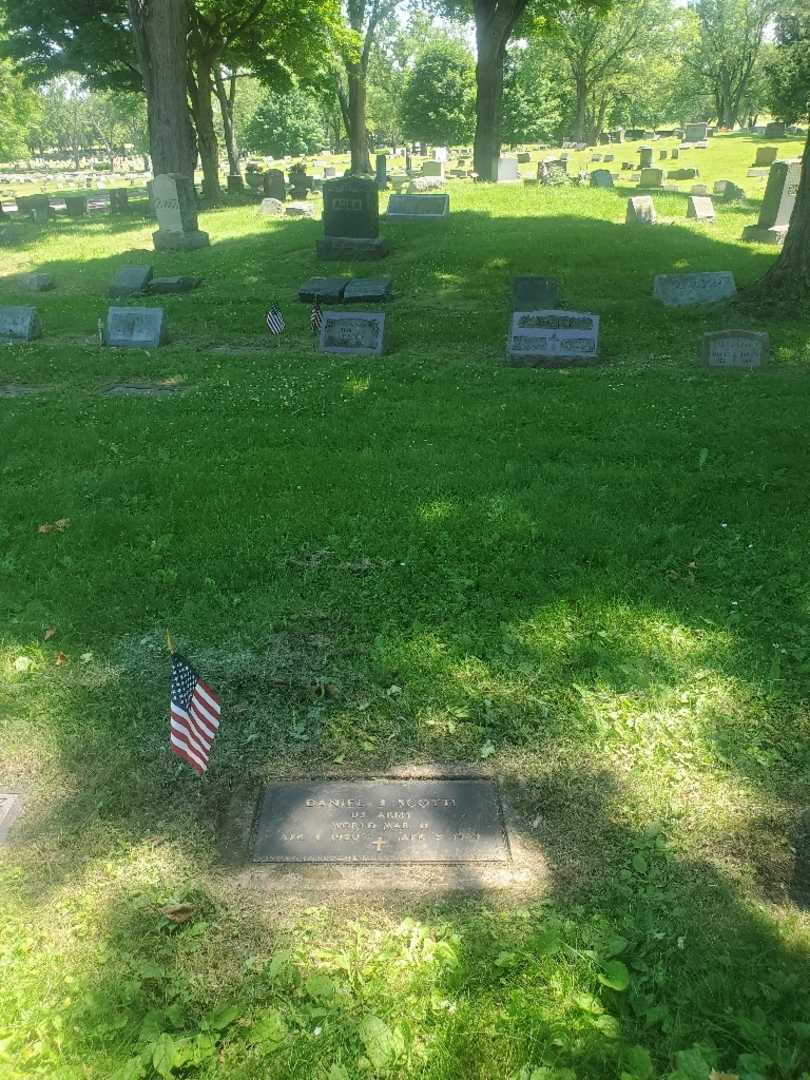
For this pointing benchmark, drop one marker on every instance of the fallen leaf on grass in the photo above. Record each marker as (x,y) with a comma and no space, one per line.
(61,659)
(50,632)
(58,526)
(177,913)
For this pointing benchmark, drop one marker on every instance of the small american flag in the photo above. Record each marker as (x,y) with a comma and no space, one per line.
(195,710)
(275,320)
(315,318)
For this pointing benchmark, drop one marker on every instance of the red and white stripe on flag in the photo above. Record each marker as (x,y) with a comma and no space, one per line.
(193,729)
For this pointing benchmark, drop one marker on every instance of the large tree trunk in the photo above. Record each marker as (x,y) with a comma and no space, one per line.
(160,28)
(581,117)
(226,98)
(358,133)
(494,20)
(200,87)
(789,277)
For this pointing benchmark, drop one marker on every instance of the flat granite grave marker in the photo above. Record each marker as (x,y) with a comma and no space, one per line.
(327,290)
(37,282)
(735,349)
(9,810)
(144,389)
(135,327)
(129,280)
(370,290)
(535,292)
(19,324)
(418,207)
(681,290)
(777,204)
(175,202)
(352,333)
(640,211)
(552,338)
(381,821)
(179,284)
(351,220)
(273,184)
(700,207)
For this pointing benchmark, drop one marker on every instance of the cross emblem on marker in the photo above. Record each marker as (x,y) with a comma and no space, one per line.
(379,844)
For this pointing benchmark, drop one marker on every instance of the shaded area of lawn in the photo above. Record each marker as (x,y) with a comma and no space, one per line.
(594,579)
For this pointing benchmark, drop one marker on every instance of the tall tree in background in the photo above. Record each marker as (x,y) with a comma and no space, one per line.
(19,109)
(439,99)
(599,47)
(364,18)
(789,72)
(729,36)
(160,28)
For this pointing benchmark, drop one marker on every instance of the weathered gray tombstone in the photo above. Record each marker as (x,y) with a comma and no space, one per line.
(37,282)
(645,156)
(728,190)
(683,174)
(508,171)
(775,130)
(651,178)
(327,290)
(38,206)
(535,292)
(700,207)
(698,189)
(696,133)
(417,207)
(735,349)
(352,333)
(178,284)
(433,168)
(273,184)
(119,201)
(328,172)
(675,153)
(19,324)
(524,158)
(175,203)
(135,327)
(662,155)
(236,185)
(640,211)
(351,220)
(368,290)
(778,203)
(271,208)
(552,338)
(683,290)
(601,178)
(129,280)
(766,156)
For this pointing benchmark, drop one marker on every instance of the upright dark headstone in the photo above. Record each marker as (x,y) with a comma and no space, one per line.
(697,132)
(775,130)
(119,201)
(777,206)
(645,157)
(236,184)
(351,220)
(274,185)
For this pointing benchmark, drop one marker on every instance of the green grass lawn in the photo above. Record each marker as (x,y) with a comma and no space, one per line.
(594,581)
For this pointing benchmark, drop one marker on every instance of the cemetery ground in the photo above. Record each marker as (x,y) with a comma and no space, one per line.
(593,582)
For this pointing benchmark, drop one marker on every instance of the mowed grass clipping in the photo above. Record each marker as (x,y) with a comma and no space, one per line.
(594,581)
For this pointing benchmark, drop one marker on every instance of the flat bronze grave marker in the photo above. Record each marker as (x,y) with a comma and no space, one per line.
(381,821)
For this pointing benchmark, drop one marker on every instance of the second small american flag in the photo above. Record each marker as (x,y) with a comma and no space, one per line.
(195,711)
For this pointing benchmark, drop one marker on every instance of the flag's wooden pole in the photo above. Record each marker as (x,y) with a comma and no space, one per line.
(172,644)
